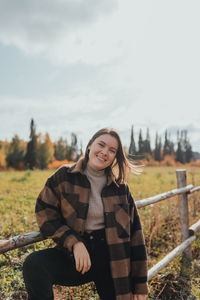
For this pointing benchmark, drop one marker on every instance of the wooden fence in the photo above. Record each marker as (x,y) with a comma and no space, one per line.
(187,233)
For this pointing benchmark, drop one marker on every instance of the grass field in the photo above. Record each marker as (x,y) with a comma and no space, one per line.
(18,192)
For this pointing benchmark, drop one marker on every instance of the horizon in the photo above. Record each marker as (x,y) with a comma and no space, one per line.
(136,139)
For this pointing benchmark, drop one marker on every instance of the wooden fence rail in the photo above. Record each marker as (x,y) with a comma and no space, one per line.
(188,233)
(170,257)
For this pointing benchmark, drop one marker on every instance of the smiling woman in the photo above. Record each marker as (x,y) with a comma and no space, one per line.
(89,212)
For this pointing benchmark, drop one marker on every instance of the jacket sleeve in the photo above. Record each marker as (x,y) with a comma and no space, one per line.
(48,215)
(139,268)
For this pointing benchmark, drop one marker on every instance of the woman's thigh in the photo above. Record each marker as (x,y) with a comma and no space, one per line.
(56,266)
(100,269)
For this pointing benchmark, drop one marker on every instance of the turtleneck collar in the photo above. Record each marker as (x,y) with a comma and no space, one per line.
(93,172)
(78,168)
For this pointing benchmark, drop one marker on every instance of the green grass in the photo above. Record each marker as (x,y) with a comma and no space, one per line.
(18,193)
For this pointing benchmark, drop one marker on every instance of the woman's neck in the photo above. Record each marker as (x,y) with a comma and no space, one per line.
(94,172)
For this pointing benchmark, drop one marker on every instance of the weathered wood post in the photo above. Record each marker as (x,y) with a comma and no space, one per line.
(183,210)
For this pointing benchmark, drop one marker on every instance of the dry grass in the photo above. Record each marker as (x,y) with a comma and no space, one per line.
(18,191)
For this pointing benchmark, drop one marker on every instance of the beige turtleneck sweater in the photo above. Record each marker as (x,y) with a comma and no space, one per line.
(95,217)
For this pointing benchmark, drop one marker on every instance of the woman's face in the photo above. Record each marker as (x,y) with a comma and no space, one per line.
(102,151)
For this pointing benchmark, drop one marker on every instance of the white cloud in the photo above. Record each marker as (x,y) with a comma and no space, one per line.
(61,30)
(143,56)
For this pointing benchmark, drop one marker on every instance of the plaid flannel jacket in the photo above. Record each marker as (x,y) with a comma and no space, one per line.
(61,210)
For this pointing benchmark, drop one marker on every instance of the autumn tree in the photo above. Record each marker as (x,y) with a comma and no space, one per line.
(31,152)
(2,156)
(132,147)
(15,153)
(45,152)
(3,163)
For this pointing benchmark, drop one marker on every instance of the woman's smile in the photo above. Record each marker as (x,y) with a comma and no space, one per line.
(100,158)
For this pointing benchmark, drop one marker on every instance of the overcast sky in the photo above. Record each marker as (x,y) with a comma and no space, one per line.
(80,65)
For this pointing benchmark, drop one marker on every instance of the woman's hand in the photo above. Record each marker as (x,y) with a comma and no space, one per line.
(138,297)
(82,257)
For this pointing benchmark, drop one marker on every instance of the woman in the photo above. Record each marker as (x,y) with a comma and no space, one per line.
(88,210)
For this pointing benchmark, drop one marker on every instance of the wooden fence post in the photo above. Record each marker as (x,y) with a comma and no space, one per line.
(183,210)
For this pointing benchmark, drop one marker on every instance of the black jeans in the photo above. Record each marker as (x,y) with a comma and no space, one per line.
(44,268)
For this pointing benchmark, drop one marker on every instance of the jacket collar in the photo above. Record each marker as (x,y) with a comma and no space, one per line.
(78,168)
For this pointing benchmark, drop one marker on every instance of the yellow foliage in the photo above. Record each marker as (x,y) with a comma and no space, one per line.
(3,164)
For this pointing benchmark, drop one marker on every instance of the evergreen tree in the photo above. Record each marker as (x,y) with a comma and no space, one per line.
(157,151)
(140,143)
(160,148)
(188,153)
(15,153)
(61,149)
(187,148)
(171,145)
(168,148)
(146,143)
(45,152)
(132,147)
(31,152)
(180,155)
(73,150)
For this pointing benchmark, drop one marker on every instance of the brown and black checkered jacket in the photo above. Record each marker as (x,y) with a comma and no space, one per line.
(61,211)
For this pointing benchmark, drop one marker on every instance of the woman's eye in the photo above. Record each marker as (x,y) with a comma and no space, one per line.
(100,144)
(113,151)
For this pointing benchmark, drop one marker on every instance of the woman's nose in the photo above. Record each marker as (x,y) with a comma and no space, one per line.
(104,151)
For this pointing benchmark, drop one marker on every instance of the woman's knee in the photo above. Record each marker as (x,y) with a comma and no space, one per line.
(38,284)
(31,263)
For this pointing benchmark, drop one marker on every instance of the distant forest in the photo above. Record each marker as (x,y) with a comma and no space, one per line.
(40,152)
(163,151)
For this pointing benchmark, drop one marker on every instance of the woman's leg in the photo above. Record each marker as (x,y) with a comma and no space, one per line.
(44,268)
(102,275)
(100,269)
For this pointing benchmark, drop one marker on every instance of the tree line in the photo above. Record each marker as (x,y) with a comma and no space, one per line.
(40,151)
(183,152)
